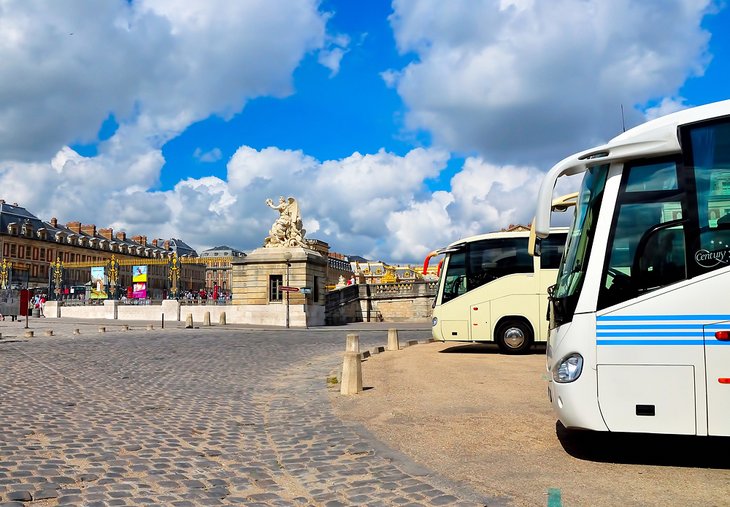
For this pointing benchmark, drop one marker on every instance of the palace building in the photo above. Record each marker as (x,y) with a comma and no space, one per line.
(30,246)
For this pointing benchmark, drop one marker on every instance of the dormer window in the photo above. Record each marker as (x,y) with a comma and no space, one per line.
(13,228)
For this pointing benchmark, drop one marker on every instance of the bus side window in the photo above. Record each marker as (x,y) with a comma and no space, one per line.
(455,277)
(552,251)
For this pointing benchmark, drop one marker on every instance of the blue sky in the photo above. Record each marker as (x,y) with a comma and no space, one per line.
(399,126)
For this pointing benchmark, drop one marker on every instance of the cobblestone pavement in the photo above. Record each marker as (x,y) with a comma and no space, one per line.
(214,416)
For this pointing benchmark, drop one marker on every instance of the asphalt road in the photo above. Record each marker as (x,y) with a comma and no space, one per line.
(208,416)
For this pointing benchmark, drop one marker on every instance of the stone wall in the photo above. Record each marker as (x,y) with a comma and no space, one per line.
(391,302)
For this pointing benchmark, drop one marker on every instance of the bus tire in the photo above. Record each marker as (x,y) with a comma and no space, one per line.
(514,336)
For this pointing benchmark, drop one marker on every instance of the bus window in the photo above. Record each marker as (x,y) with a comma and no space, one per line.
(455,277)
(647,250)
(495,258)
(552,251)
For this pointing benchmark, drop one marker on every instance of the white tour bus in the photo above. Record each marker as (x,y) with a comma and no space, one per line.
(491,289)
(640,314)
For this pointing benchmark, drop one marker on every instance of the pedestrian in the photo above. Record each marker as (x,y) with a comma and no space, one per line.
(41,305)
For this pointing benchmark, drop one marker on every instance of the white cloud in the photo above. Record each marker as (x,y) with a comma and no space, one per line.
(213,155)
(528,82)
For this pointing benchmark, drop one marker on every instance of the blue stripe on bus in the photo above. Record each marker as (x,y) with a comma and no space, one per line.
(650,333)
(661,317)
(610,327)
(661,342)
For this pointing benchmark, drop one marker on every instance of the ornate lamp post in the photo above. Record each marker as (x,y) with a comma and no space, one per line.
(174,274)
(287,258)
(57,277)
(113,276)
(4,270)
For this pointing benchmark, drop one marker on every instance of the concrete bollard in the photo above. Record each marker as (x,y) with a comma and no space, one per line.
(353,343)
(29,334)
(150,327)
(189,321)
(102,329)
(125,327)
(393,339)
(222,319)
(76,331)
(351,374)
(206,319)
(48,332)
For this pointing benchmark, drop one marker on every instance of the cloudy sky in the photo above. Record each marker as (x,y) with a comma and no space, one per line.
(400,126)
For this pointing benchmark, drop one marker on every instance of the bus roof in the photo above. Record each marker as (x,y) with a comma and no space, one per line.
(653,138)
(495,235)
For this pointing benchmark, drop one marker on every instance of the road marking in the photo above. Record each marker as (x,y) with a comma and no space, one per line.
(554,499)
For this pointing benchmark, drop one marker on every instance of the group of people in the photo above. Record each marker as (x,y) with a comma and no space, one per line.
(39,302)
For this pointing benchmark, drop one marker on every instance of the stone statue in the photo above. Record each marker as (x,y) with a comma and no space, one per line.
(287,230)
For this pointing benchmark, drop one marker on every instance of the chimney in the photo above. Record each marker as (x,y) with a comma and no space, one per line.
(54,222)
(107,233)
(144,241)
(137,239)
(89,229)
(74,226)
(154,242)
(122,236)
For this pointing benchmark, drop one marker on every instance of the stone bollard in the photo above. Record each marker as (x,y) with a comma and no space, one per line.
(150,327)
(222,319)
(48,332)
(393,339)
(76,331)
(102,329)
(29,334)
(206,319)
(351,374)
(189,321)
(125,327)
(353,343)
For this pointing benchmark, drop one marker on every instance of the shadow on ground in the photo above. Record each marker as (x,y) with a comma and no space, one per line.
(487,348)
(645,449)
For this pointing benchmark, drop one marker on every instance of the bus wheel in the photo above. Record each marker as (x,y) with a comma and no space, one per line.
(514,337)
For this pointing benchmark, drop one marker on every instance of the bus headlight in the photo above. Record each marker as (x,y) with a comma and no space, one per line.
(434,321)
(568,369)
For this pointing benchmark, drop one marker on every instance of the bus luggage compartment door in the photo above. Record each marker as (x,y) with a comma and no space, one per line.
(457,330)
(647,398)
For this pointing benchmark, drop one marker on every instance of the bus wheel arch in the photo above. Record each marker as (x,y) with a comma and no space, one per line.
(514,334)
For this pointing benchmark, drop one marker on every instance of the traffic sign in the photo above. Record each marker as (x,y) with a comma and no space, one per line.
(289,289)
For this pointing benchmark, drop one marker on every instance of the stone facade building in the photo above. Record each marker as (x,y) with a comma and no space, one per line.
(32,246)
(218,267)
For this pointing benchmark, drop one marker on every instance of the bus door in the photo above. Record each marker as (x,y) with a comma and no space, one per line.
(717,377)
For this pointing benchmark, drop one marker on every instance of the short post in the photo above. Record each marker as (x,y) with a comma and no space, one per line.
(163,321)
(206,319)
(353,343)
(189,321)
(77,331)
(102,329)
(150,327)
(393,339)
(125,327)
(48,332)
(351,374)
(29,334)
(222,319)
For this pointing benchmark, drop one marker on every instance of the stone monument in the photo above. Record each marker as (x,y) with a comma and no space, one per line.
(283,282)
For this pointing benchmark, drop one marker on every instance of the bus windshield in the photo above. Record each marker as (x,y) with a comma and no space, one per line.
(577,249)
(482,261)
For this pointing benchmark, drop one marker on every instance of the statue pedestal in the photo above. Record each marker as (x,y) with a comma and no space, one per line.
(257,276)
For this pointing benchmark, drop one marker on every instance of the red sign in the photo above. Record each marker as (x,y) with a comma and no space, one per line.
(289,289)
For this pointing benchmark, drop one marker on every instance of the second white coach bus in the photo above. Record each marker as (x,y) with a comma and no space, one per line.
(492,289)
(640,314)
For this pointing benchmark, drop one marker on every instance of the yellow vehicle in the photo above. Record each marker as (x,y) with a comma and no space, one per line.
(491,288)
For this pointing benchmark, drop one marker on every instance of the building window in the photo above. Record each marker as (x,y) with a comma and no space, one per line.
(13,250)
(275,283)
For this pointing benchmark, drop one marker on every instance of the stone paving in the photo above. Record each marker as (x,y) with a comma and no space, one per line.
(213,416)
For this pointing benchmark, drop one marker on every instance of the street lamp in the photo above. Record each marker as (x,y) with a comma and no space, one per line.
(287,258)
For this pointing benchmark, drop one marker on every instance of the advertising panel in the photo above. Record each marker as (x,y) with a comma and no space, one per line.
(139,290)
(139,274)
(98,283)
